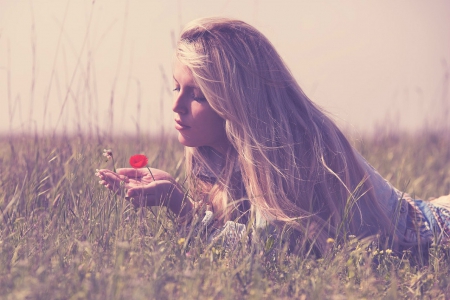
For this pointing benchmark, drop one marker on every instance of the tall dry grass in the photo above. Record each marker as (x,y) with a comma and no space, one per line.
(63,236)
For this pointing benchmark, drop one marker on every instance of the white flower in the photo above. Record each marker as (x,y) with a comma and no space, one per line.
(107,153)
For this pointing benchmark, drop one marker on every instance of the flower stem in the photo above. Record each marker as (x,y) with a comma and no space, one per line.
(114,164)
(151,173)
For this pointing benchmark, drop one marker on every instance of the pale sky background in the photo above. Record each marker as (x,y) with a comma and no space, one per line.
(369,63)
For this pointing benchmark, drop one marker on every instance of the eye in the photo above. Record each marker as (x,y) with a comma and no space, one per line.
(200,99)
(198,96)
(176,89)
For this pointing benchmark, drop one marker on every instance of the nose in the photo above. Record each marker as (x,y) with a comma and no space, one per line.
(179,106)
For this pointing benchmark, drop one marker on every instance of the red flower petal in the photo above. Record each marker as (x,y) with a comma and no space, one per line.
(138,161)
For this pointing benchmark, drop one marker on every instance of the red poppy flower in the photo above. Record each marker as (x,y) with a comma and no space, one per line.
(138,161)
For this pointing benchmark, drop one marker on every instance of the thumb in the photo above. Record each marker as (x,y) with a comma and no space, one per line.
(140,191)
(132,173)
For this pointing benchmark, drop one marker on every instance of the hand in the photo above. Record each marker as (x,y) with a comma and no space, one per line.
(139,187)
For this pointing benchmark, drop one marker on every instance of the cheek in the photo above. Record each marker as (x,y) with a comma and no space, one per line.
(219,126)
(211,123)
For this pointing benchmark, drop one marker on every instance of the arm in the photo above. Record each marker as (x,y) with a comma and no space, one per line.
(138,187)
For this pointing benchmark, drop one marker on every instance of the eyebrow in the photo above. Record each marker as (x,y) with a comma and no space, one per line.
(190,86)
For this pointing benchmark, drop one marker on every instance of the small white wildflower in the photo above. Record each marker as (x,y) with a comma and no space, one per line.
(107,153)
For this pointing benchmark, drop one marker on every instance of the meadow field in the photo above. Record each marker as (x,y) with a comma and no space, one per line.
(63,236)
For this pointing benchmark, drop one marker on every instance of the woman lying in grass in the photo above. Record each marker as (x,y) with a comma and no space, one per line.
(259,152)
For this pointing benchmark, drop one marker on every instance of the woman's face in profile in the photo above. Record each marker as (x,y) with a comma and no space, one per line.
(197,123)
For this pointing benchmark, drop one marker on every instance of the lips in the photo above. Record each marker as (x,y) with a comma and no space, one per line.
(180,126)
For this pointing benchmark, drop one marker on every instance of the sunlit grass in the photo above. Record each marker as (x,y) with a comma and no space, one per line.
(64,236)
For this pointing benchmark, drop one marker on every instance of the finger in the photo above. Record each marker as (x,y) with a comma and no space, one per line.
(153,191)
(106,184)
(148,190)
(99,172)
(111,187)
(111,176)
(113,182)
(132,173)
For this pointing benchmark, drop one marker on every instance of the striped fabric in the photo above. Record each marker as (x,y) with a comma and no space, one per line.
(428,220)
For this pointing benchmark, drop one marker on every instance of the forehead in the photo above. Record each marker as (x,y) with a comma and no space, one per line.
(183,75)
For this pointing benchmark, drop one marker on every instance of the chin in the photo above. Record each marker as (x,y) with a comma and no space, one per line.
(183,141)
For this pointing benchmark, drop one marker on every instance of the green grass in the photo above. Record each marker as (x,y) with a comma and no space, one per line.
(63,236)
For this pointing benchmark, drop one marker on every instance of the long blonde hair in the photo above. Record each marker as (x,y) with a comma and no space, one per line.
(295,165)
